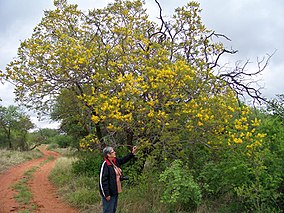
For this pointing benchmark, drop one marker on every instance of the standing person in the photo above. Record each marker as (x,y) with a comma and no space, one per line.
(110,178)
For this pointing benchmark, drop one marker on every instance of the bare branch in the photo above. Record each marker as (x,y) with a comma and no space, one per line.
(160,15)
(237,77)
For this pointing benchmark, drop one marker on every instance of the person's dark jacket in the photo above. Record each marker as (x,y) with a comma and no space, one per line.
(107,182)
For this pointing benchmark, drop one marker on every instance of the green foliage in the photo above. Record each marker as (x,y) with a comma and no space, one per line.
(220,178)
(52,137)
(48,133)
(63,141)
(52,146)
(257,196)
(88,163)
(143,195)
(180,186)
(4,140)
(75,120)
(42,136)
(268,191)
(14,127)
(131,168)
(256,178)
(232,184)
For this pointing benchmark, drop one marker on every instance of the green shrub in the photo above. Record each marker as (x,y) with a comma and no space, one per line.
(142,195)
(179,186)
(257,198)
(88,164)
(64,140)
(221,177)
(52,146)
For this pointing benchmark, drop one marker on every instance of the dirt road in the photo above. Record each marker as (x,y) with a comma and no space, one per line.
(44,197)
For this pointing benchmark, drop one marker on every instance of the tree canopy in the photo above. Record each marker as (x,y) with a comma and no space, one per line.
(138,81)
(14,126)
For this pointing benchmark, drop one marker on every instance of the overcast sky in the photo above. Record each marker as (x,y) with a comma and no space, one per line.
(255,28)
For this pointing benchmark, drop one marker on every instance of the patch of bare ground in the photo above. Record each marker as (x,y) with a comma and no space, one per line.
(44,196)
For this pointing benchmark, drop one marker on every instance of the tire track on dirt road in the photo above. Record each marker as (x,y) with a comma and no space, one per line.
(44,196)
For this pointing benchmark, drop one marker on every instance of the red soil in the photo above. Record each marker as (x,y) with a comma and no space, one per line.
(44,195)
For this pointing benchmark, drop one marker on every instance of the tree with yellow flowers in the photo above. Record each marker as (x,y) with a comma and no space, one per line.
(138,81)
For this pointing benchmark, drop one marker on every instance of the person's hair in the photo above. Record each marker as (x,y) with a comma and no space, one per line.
(107,150)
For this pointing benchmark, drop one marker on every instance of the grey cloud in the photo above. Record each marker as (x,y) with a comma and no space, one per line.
(13,11)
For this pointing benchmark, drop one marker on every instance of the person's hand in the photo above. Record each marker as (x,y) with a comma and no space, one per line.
(134,149)
(108,198)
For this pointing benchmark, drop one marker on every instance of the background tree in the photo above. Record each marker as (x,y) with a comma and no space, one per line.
(52,137)
(15,125)
(276,106)
(75,120)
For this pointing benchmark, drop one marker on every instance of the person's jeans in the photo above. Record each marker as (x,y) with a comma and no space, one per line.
(110,206)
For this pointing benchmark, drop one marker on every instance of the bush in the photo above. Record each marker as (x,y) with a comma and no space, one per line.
(180,187)
(220,177)
(52,146)
(88,164)
(63,141)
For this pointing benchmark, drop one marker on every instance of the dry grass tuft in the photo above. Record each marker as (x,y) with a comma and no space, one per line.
(9,158)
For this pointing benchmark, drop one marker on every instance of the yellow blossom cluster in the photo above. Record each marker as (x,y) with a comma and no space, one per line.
(84,144)
(223,122)
(87,142)
(244,131)
(171,97)
(132,96)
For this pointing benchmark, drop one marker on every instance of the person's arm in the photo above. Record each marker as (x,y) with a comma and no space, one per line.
(128,157)
(104,181)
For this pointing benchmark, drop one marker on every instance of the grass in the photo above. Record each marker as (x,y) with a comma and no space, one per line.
(10,158)
(80,191)
(24,194)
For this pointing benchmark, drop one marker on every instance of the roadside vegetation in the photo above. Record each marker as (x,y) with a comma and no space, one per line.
(10,158)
